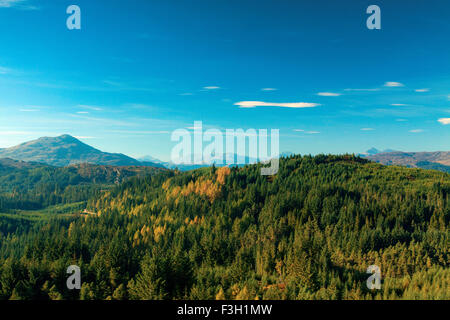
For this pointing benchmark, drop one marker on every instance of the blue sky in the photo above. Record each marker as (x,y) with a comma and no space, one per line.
(137,70)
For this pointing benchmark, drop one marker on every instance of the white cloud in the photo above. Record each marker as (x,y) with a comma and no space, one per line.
(135,132)
(4,70)
(20,4)
(211,88)
(84,137)
(374,89)
(422,90)
(102,121)
(82,112)
(9,3)
(14,133)
(367,129)
(269,89)
(112,83)
(444,121)
(398,104)
(328,94)
(416,130)
(93,108)
(401,120)
(307,132)
(393,84)
(253,104)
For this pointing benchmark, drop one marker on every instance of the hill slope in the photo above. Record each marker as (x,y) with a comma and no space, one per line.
(65,150)
(413,159)
(31,186)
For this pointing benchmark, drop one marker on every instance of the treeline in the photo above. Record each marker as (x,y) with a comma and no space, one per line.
(310,232)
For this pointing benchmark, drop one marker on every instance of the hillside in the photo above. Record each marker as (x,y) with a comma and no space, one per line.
(65,150)
(310,232)
(412,159)
(29,186)
(9,165)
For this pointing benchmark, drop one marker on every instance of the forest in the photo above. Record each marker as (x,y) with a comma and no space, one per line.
(309,232)
(33,186)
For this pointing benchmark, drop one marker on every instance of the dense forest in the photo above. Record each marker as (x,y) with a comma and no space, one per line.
(33,186)
(309,232)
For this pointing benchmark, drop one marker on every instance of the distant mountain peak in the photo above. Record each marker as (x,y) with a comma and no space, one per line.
(64,150)
(373,151)
(68,137)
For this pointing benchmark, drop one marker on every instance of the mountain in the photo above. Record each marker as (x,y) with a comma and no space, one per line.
(373,151)
(439,160)
(65,150)
(150,159)
(411,159)
(154,161)
(222,157)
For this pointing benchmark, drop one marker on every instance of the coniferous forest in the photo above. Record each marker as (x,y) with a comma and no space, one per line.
(309,232)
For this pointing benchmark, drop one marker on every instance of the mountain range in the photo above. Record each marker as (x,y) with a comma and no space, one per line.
(439,160)
(374,151)
(66,150)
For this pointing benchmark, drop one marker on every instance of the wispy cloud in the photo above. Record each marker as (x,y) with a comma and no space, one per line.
(211,88)
(374,89)
(4,70)
(82,112)
(416,130)
(328,94)
(398,104)
(112,83)
(9,3)
(19,4)
(393,84)
(422,90)
(14,133)
(139,132)
(103,121)
(93,108)
(307,132)
(253,104)
(269,89)
(444,121)
(367,129)
(33,108)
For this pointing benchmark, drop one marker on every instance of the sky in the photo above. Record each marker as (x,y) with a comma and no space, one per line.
(139,69)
